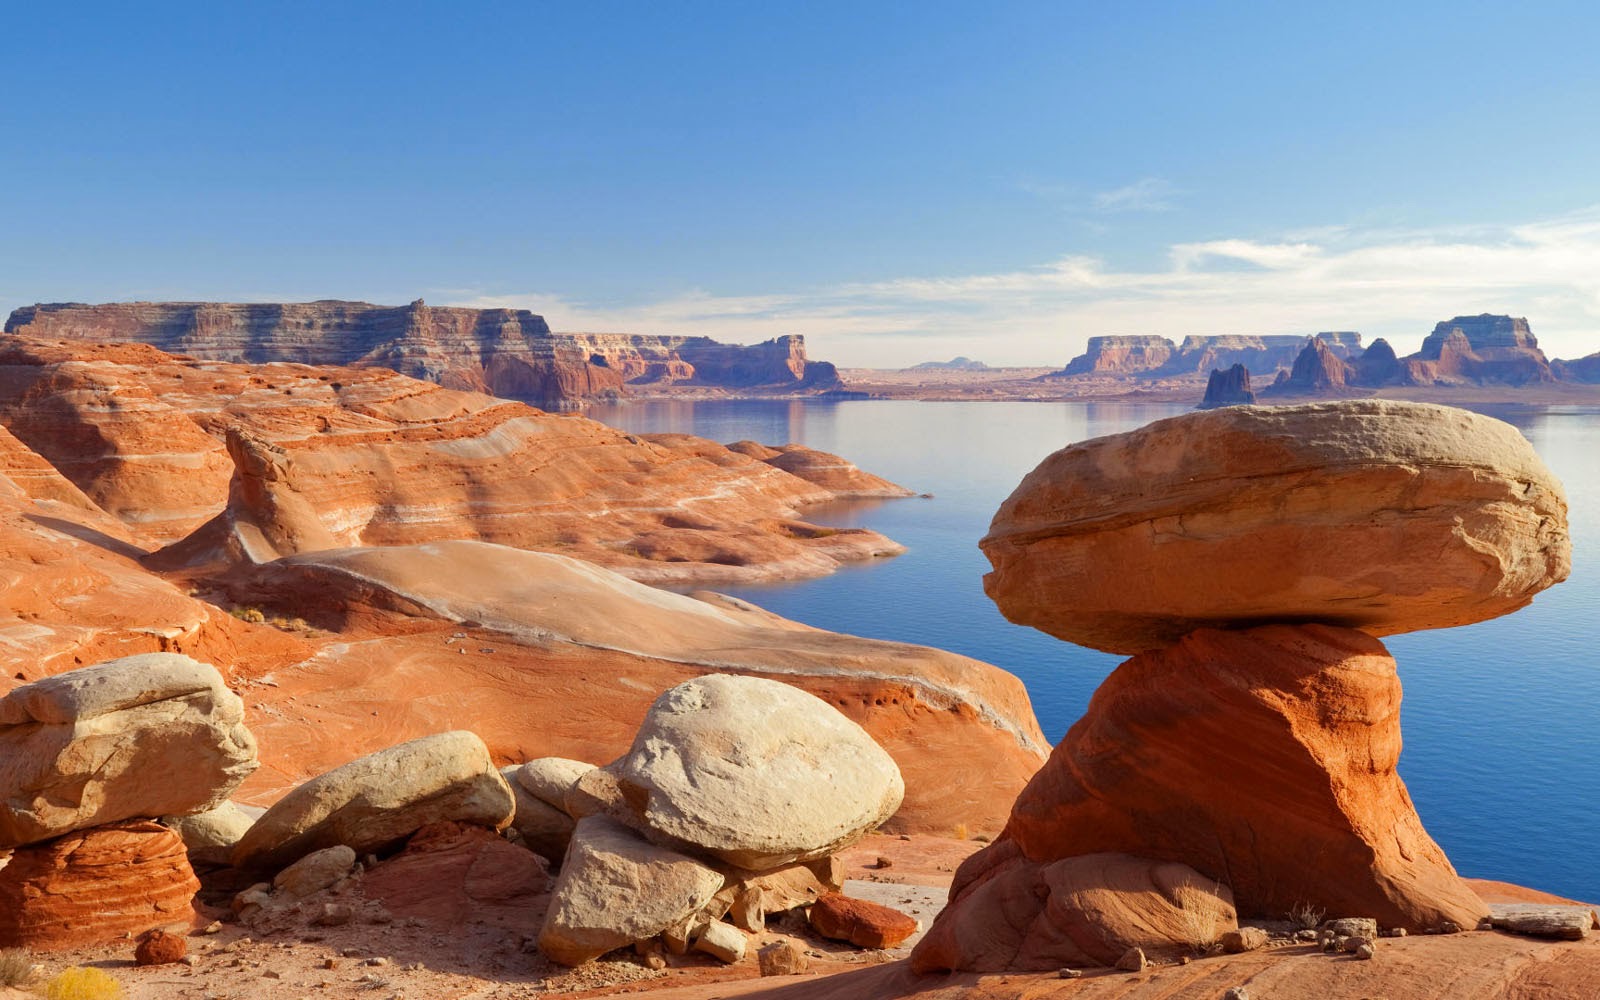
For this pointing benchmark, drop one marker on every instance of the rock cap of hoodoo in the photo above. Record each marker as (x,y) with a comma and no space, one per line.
(1372,514)
(142,736)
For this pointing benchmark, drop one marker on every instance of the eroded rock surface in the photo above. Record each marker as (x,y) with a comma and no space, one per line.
(1384,516)
(143,736)
(1193,753)
(1079,911)
(376,800)
(94,886)
(617,888)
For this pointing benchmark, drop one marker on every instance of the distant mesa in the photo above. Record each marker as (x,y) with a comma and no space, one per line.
(1160,357)
(511,353)
(958,363)
(1485,350)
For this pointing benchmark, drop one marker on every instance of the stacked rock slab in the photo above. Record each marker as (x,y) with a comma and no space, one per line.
(140,737)
(1249,556)
(87,760)
(731,802)
(376,801)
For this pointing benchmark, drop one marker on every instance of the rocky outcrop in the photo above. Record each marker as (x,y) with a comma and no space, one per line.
(1228,388)
(1251,514)
(453,873)
(1479,350)
(267,516)
(1087,910)
(1122,355)
(1160,357)
(1262,756)
(1378,366)
(1317,371)
(1585,369)
(510,353)
(584,652)
(837,475)
(617,888)
(545,827)
(1278,709)
(753,772)
(143,736)
(381,459)
(376,801)
(95,886)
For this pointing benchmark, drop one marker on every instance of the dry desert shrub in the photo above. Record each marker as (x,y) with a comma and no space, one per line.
(16,967)
(1305,916)
(83,982)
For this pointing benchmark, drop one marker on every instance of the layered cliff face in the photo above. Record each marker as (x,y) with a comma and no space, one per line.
(510,353)
(1160,357)
(1585,369)
(376,458)
(1480,349)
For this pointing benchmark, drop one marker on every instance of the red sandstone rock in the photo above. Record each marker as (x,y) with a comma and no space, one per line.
(95,885)
(1264,759)
(862,923)
(160,948)
(835,474)
(1384,516)
(581,653)
(450,873)
(1078,911)
(384,460)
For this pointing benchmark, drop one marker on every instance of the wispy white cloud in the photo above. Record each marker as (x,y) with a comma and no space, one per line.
(1148,194)
(1388,283)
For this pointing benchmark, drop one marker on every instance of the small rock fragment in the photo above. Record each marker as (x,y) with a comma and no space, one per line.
(160,948)
(1244,939)
(722,941)
(1353,944)
(1070,974)
(1133,960)
(1449,927)
(1366,927)
(1365,952)
(315,871)
(1236,993)
(334,915)
(782,958)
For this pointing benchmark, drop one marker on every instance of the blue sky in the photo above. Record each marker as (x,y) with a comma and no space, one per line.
(899,182)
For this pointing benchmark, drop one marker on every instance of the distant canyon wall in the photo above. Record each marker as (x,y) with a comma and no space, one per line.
(511,353)
(1464,351)
(1159,356)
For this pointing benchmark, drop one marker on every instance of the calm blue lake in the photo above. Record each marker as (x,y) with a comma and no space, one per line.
(1501,719)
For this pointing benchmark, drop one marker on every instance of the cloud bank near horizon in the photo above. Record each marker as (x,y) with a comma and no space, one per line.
(1383,283)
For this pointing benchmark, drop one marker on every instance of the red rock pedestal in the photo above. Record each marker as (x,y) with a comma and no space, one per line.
(94,886)
(1263,758)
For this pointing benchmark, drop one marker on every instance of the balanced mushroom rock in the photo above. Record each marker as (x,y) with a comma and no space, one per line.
(1249,556)
(1378,515)
(752,772)
(376,801)
(139,737)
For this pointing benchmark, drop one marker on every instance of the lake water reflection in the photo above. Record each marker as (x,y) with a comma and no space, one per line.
(1501,719)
